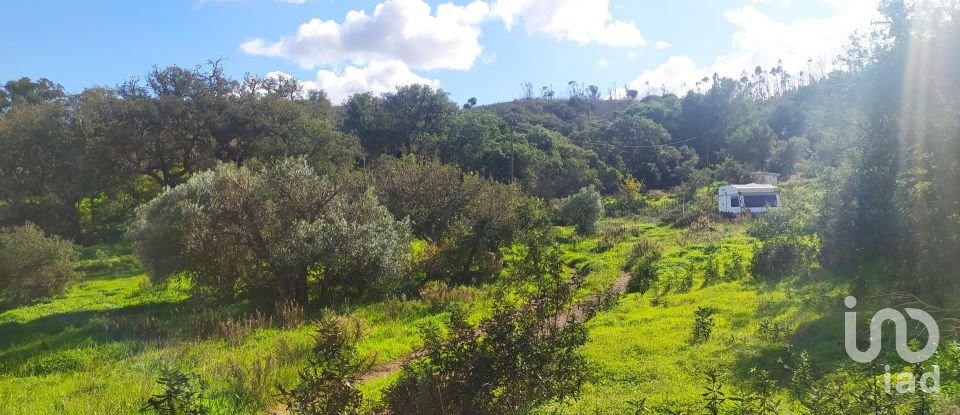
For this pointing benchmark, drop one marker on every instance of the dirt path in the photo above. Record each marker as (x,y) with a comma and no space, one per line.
(581,311)
(585,309)
(384,369)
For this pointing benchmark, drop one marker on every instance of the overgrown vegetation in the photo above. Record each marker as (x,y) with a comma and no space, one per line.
(262,232)
(328,382)
(524,355)
(33,266)
(409,232)
(582,210)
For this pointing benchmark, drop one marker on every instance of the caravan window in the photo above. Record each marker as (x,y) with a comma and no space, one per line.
(756,201)
(734,201)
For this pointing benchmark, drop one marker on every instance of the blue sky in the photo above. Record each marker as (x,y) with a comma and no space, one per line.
(477,48)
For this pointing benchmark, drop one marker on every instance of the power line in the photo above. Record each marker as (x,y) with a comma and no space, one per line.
(628,146)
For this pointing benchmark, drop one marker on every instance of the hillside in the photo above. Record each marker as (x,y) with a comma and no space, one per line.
(192,243)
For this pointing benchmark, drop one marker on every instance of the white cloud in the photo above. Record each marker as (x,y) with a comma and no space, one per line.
(582,21)
(632,55)
(782,3)
(377,77)
(402,30)
(488,58)
(761,41)
(662,44)
(603,63)
(677,73)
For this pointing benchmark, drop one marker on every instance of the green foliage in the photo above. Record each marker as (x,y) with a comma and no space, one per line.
(328,383)
(583,210)
(34,266)
(702,325)
(699,208)
(264,231)
(523,356)
(713,396)
(86,160)
(39,158)
(789,244)
(628,199)
(640,264)
(465,219)
(785,256)
(183,394)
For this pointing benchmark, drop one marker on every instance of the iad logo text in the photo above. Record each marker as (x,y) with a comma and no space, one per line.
(928,382)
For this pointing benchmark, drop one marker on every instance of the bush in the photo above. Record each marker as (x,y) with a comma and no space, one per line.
(696,209)
(328,385)
(34,266)
(183,394)
(628,200)
(512,367)
(789,243)
(640,264)
(702,325)
(465,219)
(267,232)
(520,358)
(787,256)
(582,209)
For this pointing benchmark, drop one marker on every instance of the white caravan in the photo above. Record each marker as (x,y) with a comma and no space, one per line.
(751,198)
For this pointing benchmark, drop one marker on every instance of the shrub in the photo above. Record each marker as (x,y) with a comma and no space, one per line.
(582,209)
(713,271)
(614,234)
(789,244)
(785,256)
(465,219)
(268,231)
(512,367)
(684,277)
(738,267)
(34,266)
(520,358)
(183,394)
(702,325)
(250,386)
(628,200)
(640,264)
(328,385)
(696,209)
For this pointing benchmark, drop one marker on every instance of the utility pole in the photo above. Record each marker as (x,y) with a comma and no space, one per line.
(512,138)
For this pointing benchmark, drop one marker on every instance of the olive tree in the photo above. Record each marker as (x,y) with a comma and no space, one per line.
(466,219)
(582,209)
(34,266)
(270,231)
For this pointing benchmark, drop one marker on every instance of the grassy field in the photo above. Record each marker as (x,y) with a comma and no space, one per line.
(100,348)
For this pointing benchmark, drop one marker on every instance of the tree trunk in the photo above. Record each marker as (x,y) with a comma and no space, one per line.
(300,294)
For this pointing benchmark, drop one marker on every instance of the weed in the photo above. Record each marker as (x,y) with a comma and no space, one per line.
(702,325)
(183,394)
(251,386)
(328,383)
(714,395)
(288,313)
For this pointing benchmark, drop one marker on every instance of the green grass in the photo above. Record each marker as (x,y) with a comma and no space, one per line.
(642,348)
(100,348)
